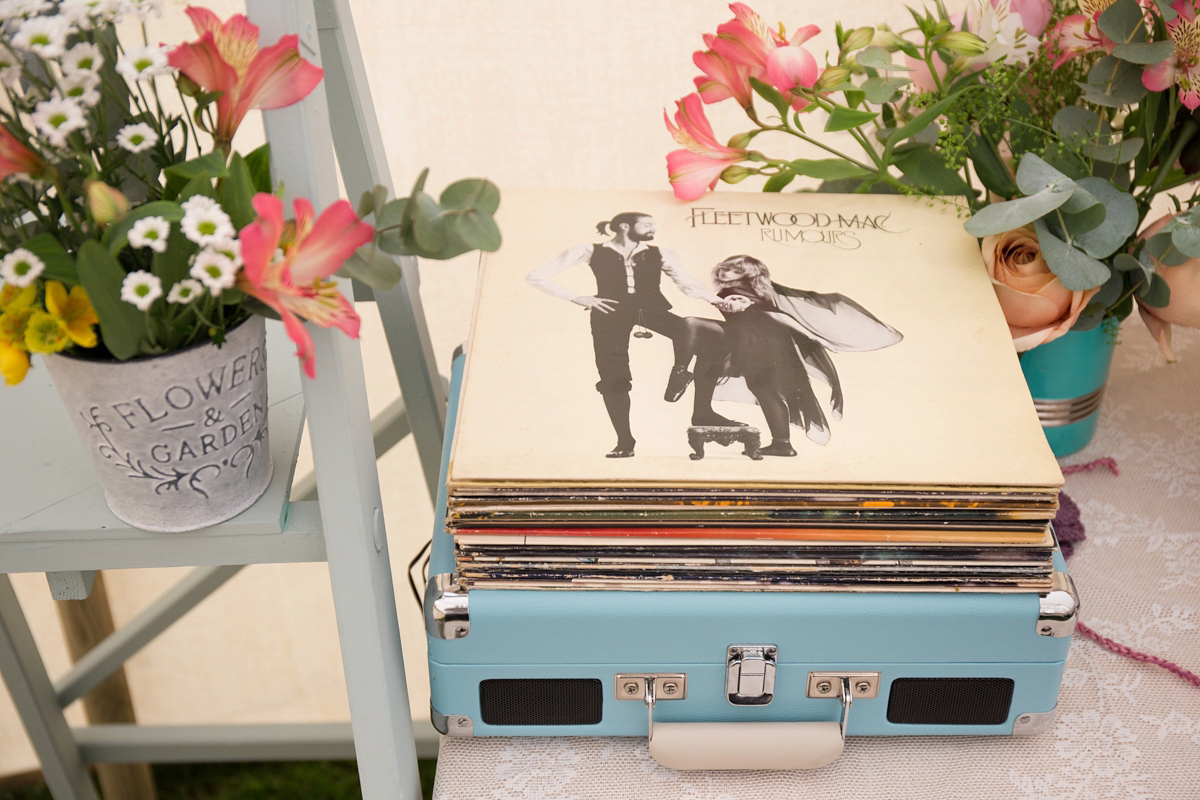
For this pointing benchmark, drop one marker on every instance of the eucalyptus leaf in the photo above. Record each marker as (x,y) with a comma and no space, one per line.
(1186,239)
(122,325)
(1120,220)
(1112,289)
(997,218)
(843,119)
(59,264)
(1075,269)
(476,193)
(475,229)
(392,213)
(1035,175)
(116,235)
(1085,221)
(1113,83)
(1078,125)
(429,228)
(1123,262)
(1164,8)
(1145,52)
(776,183)
(1155,293)
(827,169)
(880,90)
(877,58)
(373,267)
(1121,152)
(1090,318)
(1123,22)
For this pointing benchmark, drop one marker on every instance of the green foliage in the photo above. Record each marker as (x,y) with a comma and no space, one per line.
(122,325)
(459,221)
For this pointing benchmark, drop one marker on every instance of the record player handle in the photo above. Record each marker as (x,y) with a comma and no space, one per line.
(750,745)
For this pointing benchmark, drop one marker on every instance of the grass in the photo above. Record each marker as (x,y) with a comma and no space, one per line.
(310,780)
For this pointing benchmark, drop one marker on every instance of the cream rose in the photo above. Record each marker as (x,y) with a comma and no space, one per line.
(1036,305)
(1184,307)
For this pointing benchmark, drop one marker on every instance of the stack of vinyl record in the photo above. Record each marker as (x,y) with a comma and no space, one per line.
(843,409)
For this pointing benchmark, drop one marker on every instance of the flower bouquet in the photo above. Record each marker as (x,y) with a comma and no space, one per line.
(1059,122)
(134,237)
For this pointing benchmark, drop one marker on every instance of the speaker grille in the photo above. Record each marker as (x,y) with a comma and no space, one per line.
(541,701)
(950,701)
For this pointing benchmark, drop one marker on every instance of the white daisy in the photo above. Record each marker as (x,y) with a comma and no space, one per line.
(142,8)
(45,36)
(185,291)
(141,288)
(19,9)
(150,232)
(198,202)
(21,267)
(228,248)
(81,87)
(136,138)
(206,225)
(83,57)
(86,13)
(57,117)
(142,63)
(214,270)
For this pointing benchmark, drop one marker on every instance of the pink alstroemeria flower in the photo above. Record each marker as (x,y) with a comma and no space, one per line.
(16,158)
(722,78)
(696,169)
(1183,67)
(294,284)
(746,40)
(226,58)
(1080,34)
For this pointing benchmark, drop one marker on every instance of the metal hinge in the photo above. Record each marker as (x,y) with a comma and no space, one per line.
(828,684)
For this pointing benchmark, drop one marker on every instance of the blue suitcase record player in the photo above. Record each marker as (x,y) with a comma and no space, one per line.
(740,679)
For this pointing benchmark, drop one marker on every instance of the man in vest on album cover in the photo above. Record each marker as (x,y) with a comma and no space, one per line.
(628,274)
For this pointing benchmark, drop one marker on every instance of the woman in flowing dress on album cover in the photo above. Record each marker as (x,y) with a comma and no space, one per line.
(777,337)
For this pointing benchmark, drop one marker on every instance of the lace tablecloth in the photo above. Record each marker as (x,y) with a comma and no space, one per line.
(1125,730)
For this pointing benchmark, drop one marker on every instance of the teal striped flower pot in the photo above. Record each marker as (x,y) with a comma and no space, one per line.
(1066,378)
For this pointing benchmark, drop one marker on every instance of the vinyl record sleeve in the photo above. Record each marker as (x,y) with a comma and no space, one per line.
(884,297)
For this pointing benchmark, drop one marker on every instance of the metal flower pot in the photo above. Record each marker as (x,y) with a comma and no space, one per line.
(1066,378)
(179,441)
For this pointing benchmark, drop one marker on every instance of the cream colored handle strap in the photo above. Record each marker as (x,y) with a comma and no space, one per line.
(747,745)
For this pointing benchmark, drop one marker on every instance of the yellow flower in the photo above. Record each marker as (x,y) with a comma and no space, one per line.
(15,297)
(13,322)
(45,333)
(74,311)
(14,363)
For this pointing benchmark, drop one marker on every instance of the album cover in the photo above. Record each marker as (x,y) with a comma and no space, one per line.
(744,340)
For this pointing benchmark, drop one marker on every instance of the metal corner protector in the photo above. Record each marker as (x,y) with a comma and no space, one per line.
(445,606)
(1033,723)
(458,726)
(1058,609)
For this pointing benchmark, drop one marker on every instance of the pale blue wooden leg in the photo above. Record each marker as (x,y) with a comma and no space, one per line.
(363,163)
(32,693)
(347,481)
